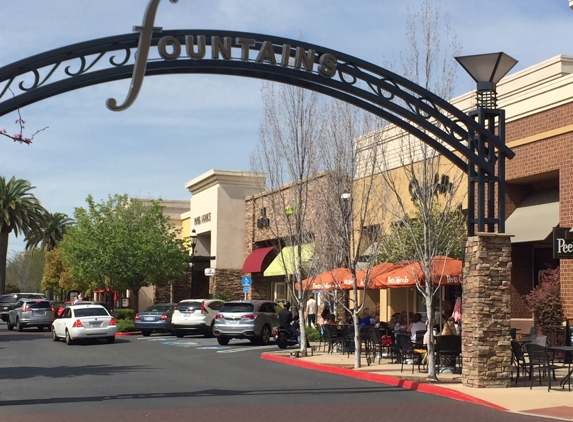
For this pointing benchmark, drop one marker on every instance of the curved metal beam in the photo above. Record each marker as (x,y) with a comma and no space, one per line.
(377,90)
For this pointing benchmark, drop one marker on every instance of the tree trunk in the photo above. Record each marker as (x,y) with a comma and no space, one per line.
(4,233)
(136,299)
(432,376)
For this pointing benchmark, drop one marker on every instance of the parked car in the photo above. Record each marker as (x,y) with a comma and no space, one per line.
(31,313)
(84,321)
(8,301)
(62,306)
(195,316)
(252,319)
(156,318)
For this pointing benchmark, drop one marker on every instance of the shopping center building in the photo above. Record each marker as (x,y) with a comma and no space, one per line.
(538,102)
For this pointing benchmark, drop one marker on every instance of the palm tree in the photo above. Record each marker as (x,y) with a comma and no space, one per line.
(20,211)
(53,230)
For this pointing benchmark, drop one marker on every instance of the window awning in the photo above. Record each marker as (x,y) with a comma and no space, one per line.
(535,218)
(285,262)
(254,262)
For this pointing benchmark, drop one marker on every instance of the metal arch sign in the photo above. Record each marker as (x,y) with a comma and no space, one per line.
(379,91)
(399,101)
(220,48)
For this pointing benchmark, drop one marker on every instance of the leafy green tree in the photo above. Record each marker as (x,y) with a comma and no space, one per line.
(20,212)
(124,243)
(56,276)
(401,243)
(51,232)
(25,269)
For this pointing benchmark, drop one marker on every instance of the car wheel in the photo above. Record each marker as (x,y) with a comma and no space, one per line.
(69,340)
(265,336)
(20,326)
(54,336)
(179,333)
(209,331)
(40,328)
(10,326)
(111,339)
(145,333)
(223,341)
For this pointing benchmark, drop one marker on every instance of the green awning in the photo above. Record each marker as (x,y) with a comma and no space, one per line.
(286,261)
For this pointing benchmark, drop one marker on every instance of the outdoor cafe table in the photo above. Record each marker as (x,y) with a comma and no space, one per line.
(567,350)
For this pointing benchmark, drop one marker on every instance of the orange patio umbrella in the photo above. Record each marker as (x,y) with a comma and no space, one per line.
(444,270)
(375,275)
(338,278)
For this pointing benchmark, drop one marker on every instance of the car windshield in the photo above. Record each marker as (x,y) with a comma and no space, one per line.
(39,304)
(86,312)
(188,306)
(6,299)
(237,307)
(159,308)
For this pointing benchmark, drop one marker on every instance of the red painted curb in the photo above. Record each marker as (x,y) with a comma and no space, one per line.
(383,379)
(129,333)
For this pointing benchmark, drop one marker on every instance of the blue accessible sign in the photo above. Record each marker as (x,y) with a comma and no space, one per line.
(246,289)
(246,281)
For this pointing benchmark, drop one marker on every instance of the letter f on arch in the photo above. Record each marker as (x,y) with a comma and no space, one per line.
(145,33)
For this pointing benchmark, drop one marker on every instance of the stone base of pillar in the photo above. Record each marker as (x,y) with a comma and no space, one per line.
(486,310)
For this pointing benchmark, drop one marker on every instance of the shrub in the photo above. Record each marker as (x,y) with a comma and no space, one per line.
(312,334)
(544,301)
(121,314)
(125,325)
(221,296)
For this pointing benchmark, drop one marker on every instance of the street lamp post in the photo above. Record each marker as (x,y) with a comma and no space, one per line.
(487,70)
(192,243)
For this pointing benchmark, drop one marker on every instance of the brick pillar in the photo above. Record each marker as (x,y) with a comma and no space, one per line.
(486,310)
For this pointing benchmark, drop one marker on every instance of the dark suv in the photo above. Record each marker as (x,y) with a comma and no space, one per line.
(8,301)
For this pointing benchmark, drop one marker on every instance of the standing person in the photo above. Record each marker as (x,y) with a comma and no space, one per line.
(79,298)
(311,311)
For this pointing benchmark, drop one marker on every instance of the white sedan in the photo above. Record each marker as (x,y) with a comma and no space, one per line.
(83,322)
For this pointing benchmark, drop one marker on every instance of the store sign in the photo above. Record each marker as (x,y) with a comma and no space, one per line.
(221,47)
(205,218)
(562,243)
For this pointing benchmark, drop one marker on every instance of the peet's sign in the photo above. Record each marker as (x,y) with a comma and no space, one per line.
(195,48)
(562,243)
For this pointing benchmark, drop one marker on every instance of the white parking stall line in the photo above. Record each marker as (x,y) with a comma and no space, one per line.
(244,349)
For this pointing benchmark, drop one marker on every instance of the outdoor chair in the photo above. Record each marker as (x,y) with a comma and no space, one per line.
(419,344)
(348,339)
(448,348)
(540,341)
(538,358)
(406,351)
(375,344)
(331,336)
(519,361)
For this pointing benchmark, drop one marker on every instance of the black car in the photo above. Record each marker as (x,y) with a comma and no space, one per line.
(8,301)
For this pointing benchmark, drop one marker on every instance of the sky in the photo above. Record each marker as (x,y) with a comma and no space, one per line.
(184,125)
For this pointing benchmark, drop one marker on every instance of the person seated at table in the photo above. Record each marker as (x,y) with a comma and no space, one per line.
(402,323)
(451,329)
(330,319)
(416,325)
(393,321)
(367,319)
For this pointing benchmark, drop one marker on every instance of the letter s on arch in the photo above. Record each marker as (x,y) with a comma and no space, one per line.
(327,65)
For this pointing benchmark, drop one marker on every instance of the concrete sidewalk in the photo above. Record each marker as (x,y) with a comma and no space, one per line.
(557,403)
